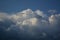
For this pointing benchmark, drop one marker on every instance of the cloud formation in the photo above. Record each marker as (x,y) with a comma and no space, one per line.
(30,22)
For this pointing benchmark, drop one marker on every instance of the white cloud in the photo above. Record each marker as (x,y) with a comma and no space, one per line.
(28,18)
(53,19)
(52,12)
(31,21)
(40,13)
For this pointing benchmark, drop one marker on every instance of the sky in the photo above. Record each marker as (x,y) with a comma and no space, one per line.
(19,5)
(29,19)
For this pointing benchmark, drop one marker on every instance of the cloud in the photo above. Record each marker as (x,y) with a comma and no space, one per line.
(40,13)
(52,11)
(54,19)
(3,16)
(30,22)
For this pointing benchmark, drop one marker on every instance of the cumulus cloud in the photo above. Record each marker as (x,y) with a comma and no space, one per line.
(40,13)
(31,22)
(53,19)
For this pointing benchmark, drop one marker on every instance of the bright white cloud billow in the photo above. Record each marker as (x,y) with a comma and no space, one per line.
(40,13)
(31,21)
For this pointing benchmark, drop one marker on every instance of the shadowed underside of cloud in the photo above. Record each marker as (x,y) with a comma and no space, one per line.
(29,24)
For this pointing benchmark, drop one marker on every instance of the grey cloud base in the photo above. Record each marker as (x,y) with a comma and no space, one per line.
(29,25)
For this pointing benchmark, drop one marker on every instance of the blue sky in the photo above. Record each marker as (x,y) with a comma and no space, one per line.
(19,5)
